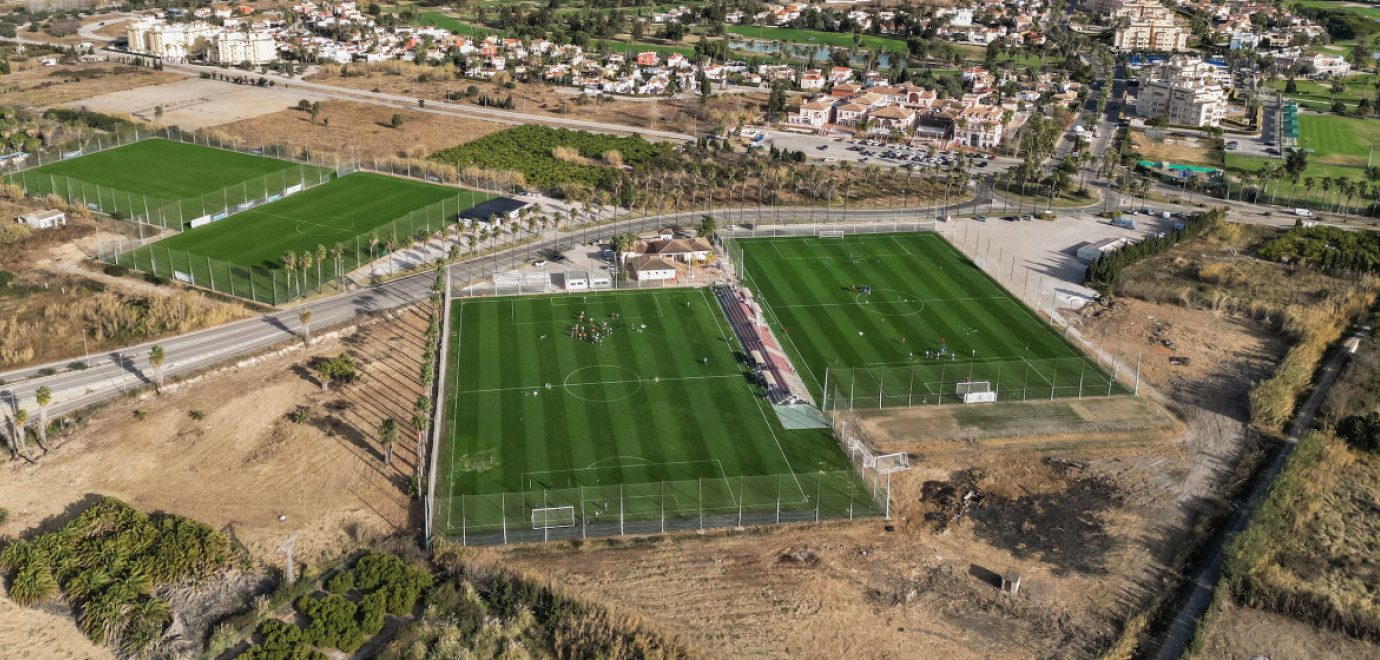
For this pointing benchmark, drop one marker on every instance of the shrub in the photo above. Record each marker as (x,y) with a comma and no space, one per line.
(400,583)
(281,641)
(332,624)
(1362,432)
(6,278)
(300,416)
(341,583)
(115,270)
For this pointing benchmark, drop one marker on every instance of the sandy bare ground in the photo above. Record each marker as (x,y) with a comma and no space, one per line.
(1083,538)
(44,86)
(195,103)
(1244,633)
(239,468)
(368,128)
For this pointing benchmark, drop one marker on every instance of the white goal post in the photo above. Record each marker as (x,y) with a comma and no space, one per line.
(976,392)
(553,517)
(831,233)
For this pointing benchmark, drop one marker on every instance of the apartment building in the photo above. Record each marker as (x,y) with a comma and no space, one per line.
(252,47)
(1152,35)
(1184,90)
(173,41)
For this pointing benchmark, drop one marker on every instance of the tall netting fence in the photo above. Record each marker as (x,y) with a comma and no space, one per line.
(941,381)
(331,262)
(174,214)
(554,514)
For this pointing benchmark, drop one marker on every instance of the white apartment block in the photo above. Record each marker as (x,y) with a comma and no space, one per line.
(1154,35)
(1185,91)
(1141,10)
(169,41)
(252,47)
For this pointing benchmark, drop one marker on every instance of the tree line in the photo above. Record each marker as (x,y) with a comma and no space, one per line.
(1104,273)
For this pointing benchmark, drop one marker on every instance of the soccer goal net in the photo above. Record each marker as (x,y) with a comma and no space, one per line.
(552,517)
(831,234)
(975,391)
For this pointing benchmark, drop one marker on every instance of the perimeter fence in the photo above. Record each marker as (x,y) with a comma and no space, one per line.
(555,514)
(274,284)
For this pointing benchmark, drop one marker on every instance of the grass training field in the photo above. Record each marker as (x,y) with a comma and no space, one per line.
(562,419)
(343,211)
(165,182)
(925,297)
(1340,147)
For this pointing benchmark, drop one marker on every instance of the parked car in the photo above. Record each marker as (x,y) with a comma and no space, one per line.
(540,263)
(822,147)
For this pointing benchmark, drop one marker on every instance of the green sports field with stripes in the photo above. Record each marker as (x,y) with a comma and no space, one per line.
(932,320)
(241,254)
(141,177)
(577,397)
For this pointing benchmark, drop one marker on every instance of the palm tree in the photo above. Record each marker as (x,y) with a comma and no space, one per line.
(1308,184)
(21,419)
(43,396)
(156,357)
(392,246)
(337,253)
(289,260)
(305,317)
(388,436)
(305,263)
(321,254)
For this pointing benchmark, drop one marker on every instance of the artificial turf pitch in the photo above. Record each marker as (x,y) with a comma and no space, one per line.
(533,410)
(925,297)
(199,179)
(345,211)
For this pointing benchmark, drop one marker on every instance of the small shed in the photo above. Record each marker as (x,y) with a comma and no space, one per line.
(503,208)
(46,219)
(1094,252)
(600,280)
(576,280)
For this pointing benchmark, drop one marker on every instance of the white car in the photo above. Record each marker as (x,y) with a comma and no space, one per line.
(731,228)
(540,263)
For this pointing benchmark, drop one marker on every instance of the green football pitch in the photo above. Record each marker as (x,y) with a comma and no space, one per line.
(931,321)
(147,177)
(345,211)
(653,417)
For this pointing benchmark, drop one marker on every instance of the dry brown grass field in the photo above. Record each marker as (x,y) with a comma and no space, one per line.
(368,128)
(433,83)
(245,468)
(33,85)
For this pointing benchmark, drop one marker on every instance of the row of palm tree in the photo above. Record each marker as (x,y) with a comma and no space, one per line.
(1339,192)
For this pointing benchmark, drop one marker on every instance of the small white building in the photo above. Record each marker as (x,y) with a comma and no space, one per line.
(1093,252)
(648,268)
(576,280)
(43,219)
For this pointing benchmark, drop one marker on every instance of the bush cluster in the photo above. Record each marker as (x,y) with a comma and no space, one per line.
(1330,249)
(527,149)
(107,562)
(1104,274)
(389,586)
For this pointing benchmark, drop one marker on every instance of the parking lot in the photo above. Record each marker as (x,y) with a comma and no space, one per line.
(872,152)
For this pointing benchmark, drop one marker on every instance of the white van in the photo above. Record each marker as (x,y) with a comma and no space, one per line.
(1303,213)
